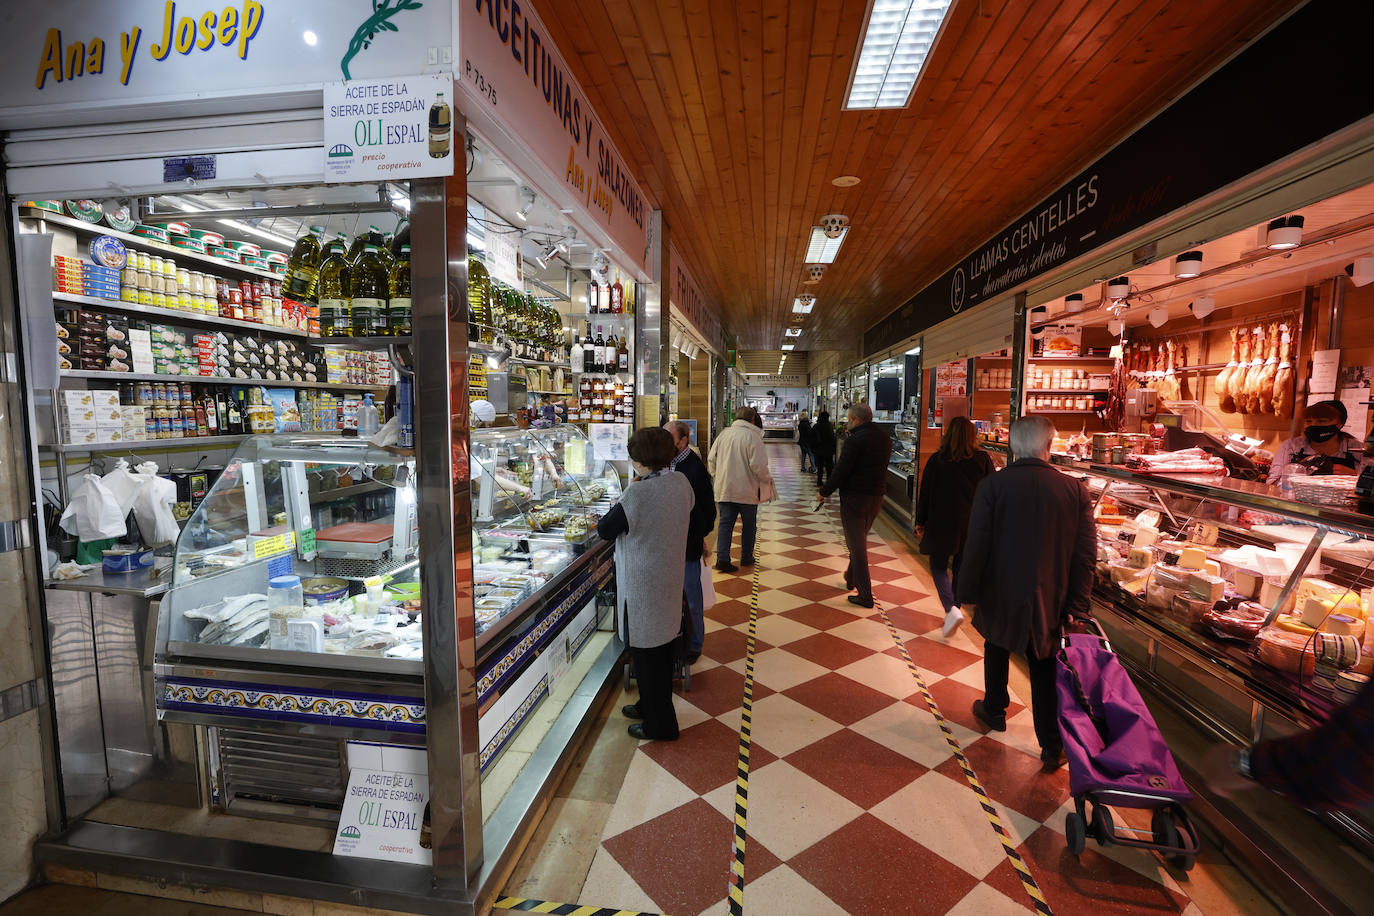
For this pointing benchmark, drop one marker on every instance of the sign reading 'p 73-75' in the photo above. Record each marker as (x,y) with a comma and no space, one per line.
(388,129)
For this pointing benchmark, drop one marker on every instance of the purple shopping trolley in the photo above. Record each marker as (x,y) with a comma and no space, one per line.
(1116,755)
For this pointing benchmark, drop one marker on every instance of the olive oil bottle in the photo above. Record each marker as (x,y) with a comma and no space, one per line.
(335,279)
(303,267)
(440,128)
(481,314)
(398,311)
(370,293)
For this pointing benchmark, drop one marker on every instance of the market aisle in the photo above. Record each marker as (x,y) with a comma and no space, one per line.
(856,803)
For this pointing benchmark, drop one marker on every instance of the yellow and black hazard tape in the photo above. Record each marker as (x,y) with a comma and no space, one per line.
(735,899)
(1017,862)
(524,905)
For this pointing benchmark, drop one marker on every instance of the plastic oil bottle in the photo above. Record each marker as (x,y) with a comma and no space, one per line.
(368,420)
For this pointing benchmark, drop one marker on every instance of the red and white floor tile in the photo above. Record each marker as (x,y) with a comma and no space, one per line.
(856,803)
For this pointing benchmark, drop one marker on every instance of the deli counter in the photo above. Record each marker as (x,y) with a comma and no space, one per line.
(295,606)
(902,470)
(1247,613)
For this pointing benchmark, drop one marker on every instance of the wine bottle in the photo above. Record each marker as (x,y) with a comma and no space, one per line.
(593,297)
(588,351)
(617,298)
(623,354)
(600,361)
(604,305)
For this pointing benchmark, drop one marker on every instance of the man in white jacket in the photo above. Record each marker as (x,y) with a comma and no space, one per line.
(739,467)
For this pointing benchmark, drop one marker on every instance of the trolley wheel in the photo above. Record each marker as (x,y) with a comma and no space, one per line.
(1103,828)
(1167,834)
(1076,832)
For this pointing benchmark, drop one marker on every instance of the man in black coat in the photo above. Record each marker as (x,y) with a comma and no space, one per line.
(700,524)
(861,477)
(1027,566)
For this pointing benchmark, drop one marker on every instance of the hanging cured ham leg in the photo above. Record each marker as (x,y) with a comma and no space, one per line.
(1222,384)
(1283,376)
(1265,391)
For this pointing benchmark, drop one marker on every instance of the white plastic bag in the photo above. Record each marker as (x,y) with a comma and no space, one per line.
(708,587)
(153,511)
(93,513)
(123,485)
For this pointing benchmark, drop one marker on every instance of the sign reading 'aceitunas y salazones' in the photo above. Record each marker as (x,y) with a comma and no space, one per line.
(510,72)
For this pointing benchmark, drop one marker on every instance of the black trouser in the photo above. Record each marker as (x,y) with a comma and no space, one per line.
(1044,698)
(857,514)
(824,465)
(654,672)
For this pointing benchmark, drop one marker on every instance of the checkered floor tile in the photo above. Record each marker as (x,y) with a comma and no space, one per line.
(856,803)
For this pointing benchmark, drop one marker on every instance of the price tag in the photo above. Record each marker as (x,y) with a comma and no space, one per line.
(306,541)
(278,543)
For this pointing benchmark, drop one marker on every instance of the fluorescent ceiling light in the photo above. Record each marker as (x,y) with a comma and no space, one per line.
(475,242)
(793,332)
(260,233)
(789,346)
(899,36)
(913,351)
(803,308)
(822,250)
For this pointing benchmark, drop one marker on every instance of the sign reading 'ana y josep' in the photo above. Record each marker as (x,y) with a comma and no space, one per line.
(388,129)
(510,71)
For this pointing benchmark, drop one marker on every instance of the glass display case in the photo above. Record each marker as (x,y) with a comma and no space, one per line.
(1248,613)
(304,552)
(902,470)
(779,424)
(536,497)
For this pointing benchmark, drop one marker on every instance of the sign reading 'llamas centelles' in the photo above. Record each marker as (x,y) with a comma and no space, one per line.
(388,129)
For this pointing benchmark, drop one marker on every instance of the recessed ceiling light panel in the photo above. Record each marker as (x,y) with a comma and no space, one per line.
(789,346)
(822,249)
(793,332)
(803,304)
(898,37)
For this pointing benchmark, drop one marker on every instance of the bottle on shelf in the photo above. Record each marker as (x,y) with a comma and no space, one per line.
(623,353)
(368,294)
(588,351)
(599,363)
(334,294)
(303,267)
(480,318)
(575,355)
(398,309)
(593,296)
(368,419)
(604,303)
(617,298)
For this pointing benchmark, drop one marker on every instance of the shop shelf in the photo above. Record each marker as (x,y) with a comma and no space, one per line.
(94,375)
(148,445)
(179,316)
(1062,411)
(1078,391)
(566,394)
(1073,359)
(206,263)
(362,343)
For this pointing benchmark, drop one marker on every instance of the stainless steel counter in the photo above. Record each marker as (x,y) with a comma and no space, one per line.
(146,583)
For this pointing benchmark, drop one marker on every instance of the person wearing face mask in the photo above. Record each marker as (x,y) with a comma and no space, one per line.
(1323,448)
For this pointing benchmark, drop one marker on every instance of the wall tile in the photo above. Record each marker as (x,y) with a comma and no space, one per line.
(21,798)
(16,652)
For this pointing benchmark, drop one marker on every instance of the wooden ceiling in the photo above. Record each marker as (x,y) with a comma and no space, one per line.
(730,114)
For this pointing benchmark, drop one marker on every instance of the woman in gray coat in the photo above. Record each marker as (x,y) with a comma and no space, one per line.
(649,527)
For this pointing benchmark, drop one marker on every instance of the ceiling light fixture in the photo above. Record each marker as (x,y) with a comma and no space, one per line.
(1284,233)
(1115,327)
(845,181)
(1361,272)
(789,346)
(803,304)
(898,38)
(260,233)
(914,351)
(1202,306)
(1073,303)
(1157,316)
(1119,288)
(792,332)
(527,199)
(475,242)
(814,272)
(823,247)
(1188,264)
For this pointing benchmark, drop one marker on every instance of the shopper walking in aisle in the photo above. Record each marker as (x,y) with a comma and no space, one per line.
(823,447)
(703,519)
(649,526)
(805,438)
(942,509)
(1027,566)
(739,466)
(861,477)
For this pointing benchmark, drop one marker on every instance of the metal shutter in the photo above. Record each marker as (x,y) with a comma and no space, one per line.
(981,330)
(251,150)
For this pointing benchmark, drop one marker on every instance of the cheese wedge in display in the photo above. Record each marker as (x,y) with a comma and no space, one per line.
(1344,625)
(1192,558)
(1204,585)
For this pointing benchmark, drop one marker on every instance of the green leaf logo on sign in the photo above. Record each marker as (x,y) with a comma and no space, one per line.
(379,21)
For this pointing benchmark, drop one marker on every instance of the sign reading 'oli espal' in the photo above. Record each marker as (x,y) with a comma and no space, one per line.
(383,129)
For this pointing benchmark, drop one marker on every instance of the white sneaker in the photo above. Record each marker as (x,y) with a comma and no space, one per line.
(953,617)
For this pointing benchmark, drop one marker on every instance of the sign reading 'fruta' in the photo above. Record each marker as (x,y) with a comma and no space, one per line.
(388,129)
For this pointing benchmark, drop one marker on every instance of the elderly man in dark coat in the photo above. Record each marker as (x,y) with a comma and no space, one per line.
(703,519)
(1028,565)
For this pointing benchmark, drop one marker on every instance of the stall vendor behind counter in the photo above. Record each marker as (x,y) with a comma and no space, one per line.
(1323,448)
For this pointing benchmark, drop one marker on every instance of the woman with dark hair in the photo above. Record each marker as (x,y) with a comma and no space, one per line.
(943,507)
(805,437)
(823,446)
(649,527)
(1324,447)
